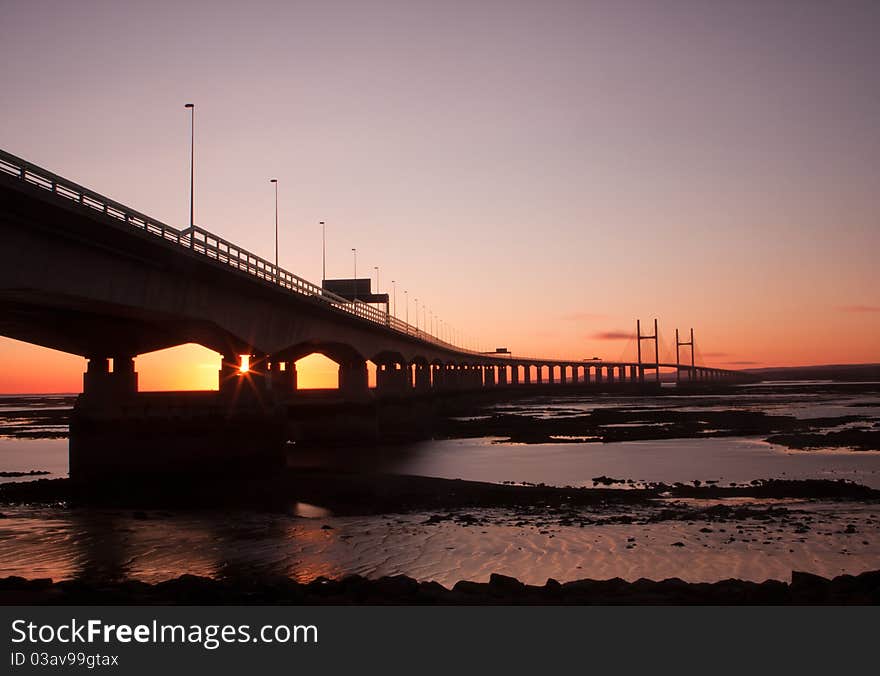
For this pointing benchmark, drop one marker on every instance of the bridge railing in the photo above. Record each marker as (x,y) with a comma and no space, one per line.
(205,243)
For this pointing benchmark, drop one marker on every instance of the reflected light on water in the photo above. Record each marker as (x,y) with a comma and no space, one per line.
(307,511)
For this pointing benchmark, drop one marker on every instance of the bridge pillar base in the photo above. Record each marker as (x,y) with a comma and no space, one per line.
(162,435)
(245,388)
(391,379)
(99,382)
(489,376)
(353,380)
(282,377)
(423,378)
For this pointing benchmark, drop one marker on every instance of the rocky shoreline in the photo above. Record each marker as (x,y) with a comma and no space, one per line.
(358,493)
(804,588)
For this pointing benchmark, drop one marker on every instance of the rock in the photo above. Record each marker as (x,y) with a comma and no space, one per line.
(678,544)
(807,587)
(505,582)
(471,588)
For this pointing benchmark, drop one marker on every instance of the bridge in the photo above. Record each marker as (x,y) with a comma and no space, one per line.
(89,276)
(92,277)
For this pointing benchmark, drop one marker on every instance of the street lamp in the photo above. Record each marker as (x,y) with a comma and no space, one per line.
(275,182)
(416,301)
(323,254)
(406,298)
(192,164)
(376,268)
(393,299)
(355,253)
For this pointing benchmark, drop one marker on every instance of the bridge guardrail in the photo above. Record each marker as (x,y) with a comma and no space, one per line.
(205,243)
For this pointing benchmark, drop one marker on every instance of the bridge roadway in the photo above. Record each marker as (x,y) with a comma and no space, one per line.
(89,276)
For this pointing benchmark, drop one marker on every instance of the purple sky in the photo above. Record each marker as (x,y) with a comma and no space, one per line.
(539,172)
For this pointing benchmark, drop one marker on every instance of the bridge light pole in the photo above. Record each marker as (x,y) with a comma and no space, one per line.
(192,165)
(275,182)
(416,301)
(394,299)
(406,298)
(376,268)
(355,252)
(323,254)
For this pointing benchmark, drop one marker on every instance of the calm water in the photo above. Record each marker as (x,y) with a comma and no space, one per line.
(725,459)
(63,543)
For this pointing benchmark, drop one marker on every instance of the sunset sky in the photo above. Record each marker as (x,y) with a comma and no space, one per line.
(538,173)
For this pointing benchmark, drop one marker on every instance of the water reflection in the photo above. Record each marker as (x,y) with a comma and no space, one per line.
(113,545)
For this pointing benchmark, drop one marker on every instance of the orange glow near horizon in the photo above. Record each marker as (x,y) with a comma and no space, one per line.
(31,369)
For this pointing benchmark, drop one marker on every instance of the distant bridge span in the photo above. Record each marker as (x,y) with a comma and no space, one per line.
(89,276)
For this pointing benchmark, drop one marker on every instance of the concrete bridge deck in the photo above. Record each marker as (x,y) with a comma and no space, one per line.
(89,276)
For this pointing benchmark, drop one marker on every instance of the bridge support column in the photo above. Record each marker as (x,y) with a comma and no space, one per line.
(598,374)
(353,380)
(527,374)
(551,377)
(282,376)
(250,385)
(450,376)
(391,378)
(100,382)
(489,376)
(462,377)
(229,373)
(423,378)
(514,374)
(562,375)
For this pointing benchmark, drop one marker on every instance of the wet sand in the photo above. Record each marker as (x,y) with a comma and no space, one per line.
(446,531)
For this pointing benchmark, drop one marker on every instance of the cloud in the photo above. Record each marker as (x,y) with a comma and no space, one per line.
(717,354)
(860,308)
(743,363)
(582,316)
(613,335)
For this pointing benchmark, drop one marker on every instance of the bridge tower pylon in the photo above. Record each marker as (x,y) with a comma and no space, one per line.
(639,340)
(679,344)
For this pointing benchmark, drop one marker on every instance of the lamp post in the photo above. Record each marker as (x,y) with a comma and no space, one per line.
(192,165)
(323,254)
(406,299)
(275,182)
(416,301)
(355,253)
(376,268)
